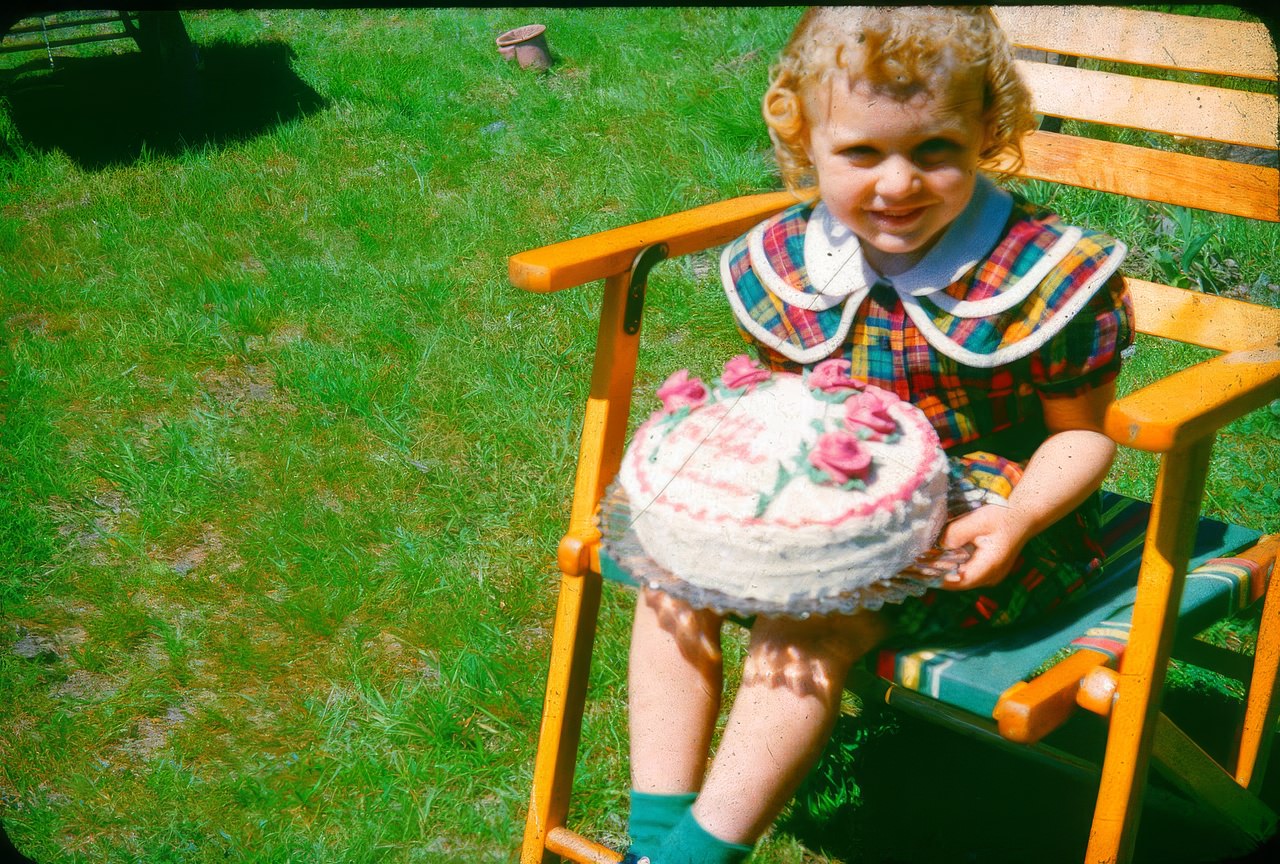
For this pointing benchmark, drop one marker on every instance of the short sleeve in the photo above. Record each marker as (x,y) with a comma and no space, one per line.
(1086,354)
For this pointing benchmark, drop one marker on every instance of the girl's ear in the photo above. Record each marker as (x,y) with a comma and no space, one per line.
(988,133)
(991,133)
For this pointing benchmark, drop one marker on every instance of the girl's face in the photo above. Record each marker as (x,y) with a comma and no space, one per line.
(896,173)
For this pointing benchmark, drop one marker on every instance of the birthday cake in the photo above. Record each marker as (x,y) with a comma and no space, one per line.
(776,492)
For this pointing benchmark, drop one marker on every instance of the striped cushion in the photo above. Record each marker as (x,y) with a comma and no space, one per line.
(973,675)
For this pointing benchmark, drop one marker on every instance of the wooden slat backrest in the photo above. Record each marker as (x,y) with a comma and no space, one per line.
(1192,44)
(1216,117)
(1190,110)
(1251,191)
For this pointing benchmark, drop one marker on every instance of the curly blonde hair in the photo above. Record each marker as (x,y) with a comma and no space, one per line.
(899,51)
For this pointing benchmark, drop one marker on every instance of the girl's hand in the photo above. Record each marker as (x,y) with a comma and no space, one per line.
(1065,469)
(996,534)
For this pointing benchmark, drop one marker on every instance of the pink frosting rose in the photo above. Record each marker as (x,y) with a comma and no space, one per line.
(841,456)
(832,375)
(680,390)
(866,409)
(742,371)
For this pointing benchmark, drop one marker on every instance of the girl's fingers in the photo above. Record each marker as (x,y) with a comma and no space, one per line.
(963,530)
(939,563)
(980,568)
(958,533)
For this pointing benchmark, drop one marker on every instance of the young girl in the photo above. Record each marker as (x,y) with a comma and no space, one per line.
(1000,322)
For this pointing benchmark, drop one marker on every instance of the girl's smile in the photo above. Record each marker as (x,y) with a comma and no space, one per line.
(895,171)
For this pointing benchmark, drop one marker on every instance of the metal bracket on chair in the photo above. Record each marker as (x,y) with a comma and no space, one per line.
(646,260)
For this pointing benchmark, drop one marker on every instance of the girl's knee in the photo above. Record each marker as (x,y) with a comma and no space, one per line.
(811,656)
(695,631)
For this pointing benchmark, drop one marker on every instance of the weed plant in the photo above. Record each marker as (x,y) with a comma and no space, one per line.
(284,459)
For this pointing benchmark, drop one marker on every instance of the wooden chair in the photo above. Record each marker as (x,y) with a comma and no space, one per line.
(1176,418)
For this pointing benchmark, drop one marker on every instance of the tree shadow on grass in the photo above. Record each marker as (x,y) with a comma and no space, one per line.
(106,110)
(897,790)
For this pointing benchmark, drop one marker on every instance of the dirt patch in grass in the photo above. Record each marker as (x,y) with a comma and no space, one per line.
(37,324)
(35,208)
(391,658)
(84,686)
(151,734)
(93,526)
(33,646)
(245,388)
(286,335)
(188,558)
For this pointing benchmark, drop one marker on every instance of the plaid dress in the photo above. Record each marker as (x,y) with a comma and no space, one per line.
(976,355)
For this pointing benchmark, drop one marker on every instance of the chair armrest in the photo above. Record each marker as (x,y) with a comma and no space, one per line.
(608,253)
(1197,401)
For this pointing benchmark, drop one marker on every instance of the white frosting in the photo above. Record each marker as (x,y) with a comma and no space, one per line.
(703,503)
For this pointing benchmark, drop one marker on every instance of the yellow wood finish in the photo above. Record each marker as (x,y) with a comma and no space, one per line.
(600,453)
(1181,761)
(598,256)
(1195,402)
(1257,731)
(605,426)
(1252,191)
(561,726)
(1264,554)
(1200,319)
(575,847)
(1164,41)
(1030,710)
(1174,512)
(1168,107)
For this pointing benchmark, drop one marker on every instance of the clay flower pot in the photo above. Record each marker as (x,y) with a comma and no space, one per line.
(527,45)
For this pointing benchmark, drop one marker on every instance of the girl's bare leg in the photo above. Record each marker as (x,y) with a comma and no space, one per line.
(781,718)
(675,679)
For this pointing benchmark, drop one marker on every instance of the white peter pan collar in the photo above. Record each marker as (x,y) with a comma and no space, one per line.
(835,272)
(836,266)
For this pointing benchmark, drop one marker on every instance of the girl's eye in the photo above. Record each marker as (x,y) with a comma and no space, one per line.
(936,151)
(861,155)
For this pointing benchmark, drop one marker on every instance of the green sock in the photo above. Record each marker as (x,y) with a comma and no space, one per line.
(653,816)
(690,843)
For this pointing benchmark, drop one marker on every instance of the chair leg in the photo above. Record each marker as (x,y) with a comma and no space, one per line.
(562,711)
(599,455)
(1258,729)
(1175,508)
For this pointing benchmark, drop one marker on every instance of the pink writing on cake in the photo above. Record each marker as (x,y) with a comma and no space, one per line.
(738,438)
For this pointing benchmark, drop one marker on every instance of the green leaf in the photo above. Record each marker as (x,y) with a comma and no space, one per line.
(1193,249)
(1184,219)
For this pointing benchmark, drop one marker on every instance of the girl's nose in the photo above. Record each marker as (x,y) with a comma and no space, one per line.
(898,178)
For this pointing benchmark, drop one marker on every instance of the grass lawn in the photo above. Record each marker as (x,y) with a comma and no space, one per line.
(284,459)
